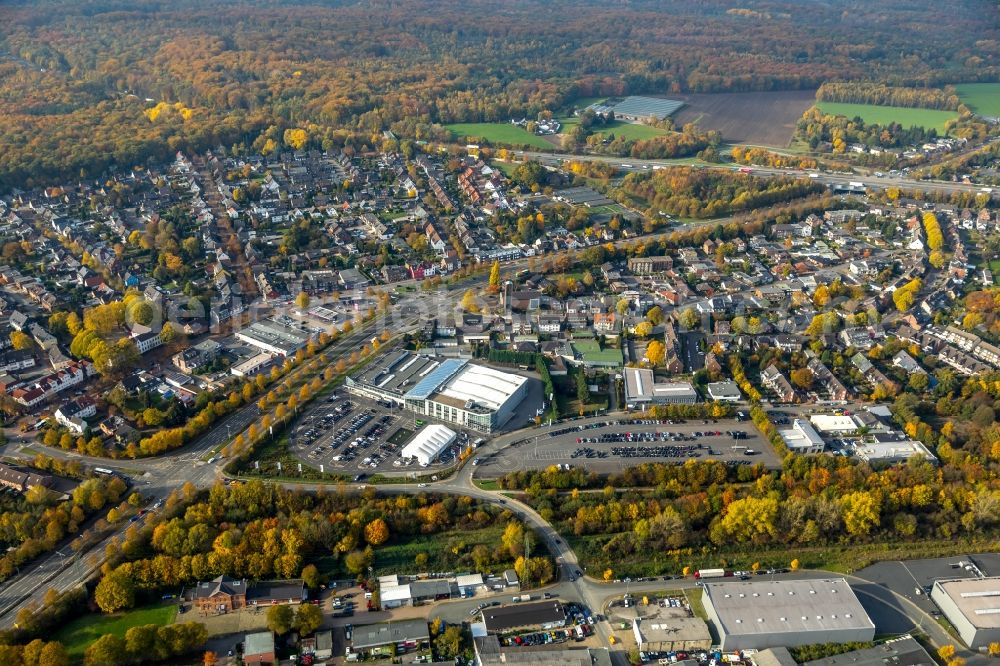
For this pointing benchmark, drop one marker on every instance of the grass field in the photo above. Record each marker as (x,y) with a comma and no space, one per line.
(396,557)
(883,115)
(995,269)
(506,167)
(83,631)
(982,98)
(498,133)
(620,128)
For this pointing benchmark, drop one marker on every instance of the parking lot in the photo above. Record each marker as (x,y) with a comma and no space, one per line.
(606,447)
(352,435)
(913,579)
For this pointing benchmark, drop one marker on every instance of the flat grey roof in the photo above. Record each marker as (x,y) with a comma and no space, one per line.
(261,642)
(901,652)
(489,652)
(523,615)
(397,372)
(978,599)
(375,635)
(775,607)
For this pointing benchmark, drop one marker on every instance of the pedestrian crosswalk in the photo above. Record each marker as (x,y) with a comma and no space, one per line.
(552,454)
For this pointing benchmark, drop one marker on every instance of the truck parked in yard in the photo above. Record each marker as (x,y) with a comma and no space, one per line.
(710,573)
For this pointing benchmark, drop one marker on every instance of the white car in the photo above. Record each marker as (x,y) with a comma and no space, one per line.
(421,485)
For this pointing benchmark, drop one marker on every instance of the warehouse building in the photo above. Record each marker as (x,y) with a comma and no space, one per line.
(669,629)
(786,613)
(450,390)
(541,615)
(273,337)
(387,639)
(726,391)
(972,605)
(429,443)
(489,653)
(642,390)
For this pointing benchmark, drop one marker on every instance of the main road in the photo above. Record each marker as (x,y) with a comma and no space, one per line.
(632,164)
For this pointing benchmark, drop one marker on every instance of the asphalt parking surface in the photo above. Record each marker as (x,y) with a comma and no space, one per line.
(905,578)
(352,435)
(651,442)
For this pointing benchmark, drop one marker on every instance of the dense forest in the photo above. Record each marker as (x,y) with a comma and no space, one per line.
(98,83)
(869,92)
(699,193)
(260,531)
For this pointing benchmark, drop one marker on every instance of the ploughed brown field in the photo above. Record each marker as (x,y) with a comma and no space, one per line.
(758,118)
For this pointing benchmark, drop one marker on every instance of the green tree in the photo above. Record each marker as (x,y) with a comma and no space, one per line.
(311,577)
(308,619)
(689,318)
(168,334)
(280,619)
(53,654)
(114,593)
(108,650)
(449,643)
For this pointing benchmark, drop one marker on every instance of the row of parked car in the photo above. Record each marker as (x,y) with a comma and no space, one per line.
(318,423)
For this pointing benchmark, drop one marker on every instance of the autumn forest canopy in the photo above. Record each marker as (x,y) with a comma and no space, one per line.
(78,79)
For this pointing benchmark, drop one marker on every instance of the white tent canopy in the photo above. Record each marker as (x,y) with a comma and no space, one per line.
(429,443)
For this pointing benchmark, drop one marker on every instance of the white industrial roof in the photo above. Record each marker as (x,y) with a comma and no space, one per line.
(903,450)
(761,607)
(834,423)
(394,593)
(801,435)
(469,580)
(978,599)
(428,443)
(486,386)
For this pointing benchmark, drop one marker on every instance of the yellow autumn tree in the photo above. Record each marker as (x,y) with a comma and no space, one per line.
(296,138)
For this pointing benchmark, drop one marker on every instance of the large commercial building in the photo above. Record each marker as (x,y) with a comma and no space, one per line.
(972,605)
(764,614)
(273,337)
(642,390)
(451,390)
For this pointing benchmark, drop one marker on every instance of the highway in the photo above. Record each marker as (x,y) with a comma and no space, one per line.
(830,179)
(163,475)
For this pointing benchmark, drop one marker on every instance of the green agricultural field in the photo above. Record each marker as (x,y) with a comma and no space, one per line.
(502,133)
(619,128)
(982,98)
(81,632)
(883,115)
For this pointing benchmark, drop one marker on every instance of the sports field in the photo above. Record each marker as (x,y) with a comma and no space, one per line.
(883,115)
(503,133)
(78,634)
(982,98)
